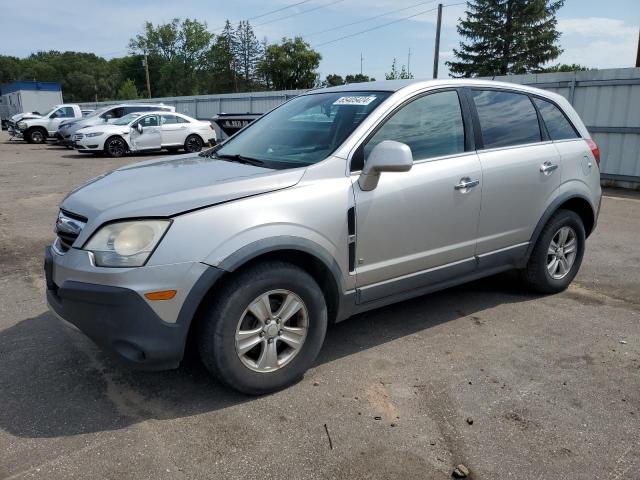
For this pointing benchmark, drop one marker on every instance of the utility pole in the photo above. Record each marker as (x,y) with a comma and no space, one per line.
(436,54)
(409,62)
(361,63)
(145,62)
(638,53)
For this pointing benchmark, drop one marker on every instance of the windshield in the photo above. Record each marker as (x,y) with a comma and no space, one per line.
(100,111)
(304,130)
(50,111)
(127,119)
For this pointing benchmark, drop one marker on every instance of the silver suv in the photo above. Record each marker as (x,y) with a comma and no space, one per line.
(339,201)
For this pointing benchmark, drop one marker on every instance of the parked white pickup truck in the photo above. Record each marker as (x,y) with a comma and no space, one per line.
(37,130)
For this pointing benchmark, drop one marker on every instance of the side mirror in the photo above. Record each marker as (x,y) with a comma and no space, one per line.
(139,128)
(387,156)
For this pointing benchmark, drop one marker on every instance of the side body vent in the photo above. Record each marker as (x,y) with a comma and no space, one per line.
(351,229)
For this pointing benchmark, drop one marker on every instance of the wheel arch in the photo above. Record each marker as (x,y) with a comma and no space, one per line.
(577,203)
(300,252)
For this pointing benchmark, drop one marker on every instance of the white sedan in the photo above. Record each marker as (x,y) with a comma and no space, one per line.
(145,131)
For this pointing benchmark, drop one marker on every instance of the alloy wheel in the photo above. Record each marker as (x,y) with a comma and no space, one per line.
(562,252)
(194,144)
(272,331)
(116,148)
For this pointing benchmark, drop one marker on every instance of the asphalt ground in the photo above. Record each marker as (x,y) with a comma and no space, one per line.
(511,384)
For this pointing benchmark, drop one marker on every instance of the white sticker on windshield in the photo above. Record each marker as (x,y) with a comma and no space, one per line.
(355,100)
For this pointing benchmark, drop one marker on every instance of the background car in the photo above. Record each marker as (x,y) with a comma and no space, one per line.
(107,114)
(149,131)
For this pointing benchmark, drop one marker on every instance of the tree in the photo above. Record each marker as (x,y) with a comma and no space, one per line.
(333,80)
(291,64)
(222,62)
(127,91)
(177,51)
(358,78)
(247,50)
(394,74)
(506,36)
(564,67)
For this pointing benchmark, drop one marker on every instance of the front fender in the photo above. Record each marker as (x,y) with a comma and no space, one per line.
(283,242)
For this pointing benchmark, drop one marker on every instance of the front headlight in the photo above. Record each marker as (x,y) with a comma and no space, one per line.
(22,125)
(126,244)
(95,134)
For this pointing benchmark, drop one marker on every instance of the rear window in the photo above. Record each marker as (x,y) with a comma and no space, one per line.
(506,118)
(557,124)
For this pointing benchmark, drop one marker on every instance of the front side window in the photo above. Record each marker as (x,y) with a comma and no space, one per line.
(557,124)
(432,126)
(149,121)
(67,112)
(506,118)
(303,131)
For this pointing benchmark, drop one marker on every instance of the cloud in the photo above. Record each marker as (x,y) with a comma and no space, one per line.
(597,27)
(598,42)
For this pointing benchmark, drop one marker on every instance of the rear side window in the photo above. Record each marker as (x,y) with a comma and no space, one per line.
(557,124)
(506,118)
(182,120)
(432,126)
(169,119)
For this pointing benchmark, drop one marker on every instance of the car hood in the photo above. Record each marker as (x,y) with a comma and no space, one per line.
(172,185)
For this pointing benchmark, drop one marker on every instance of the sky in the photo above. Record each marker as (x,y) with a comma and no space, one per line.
(595,33)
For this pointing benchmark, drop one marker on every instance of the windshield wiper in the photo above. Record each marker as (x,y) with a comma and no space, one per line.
(240,159)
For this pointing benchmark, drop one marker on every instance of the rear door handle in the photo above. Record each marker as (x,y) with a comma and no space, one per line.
(466,183)
(547,168)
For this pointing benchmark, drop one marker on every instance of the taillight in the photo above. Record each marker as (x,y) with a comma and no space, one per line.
(595,150)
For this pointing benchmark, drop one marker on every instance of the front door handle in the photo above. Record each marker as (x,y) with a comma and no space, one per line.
(466,183)
(547,168)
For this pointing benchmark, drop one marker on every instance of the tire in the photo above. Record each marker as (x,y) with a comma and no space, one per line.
(115,147)
(193,143)
(36,135)
(538,272)
(229,313)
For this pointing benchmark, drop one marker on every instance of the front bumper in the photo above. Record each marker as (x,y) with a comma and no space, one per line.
(118,318)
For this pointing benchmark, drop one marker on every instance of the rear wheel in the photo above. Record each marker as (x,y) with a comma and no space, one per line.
(115,147)
(36,135)
(265,328)
(557,254)
(193,143)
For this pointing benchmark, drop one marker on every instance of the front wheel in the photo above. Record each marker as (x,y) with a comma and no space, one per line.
(557,254)
(265,328)
(115,147)
(193,144)
(36,135)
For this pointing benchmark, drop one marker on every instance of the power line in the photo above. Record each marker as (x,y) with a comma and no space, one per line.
(367,19)
(384,25)
(299,13)
(270,12)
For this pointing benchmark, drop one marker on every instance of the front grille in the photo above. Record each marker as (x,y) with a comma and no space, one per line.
(78,136)
(68,227)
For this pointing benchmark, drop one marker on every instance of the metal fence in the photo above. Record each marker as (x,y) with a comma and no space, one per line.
(609,103)
(607,100)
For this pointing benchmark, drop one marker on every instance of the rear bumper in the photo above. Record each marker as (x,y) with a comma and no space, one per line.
(120,321)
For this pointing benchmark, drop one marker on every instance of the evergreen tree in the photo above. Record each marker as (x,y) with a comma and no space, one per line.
(247,50)
(507,36)
(223,62)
